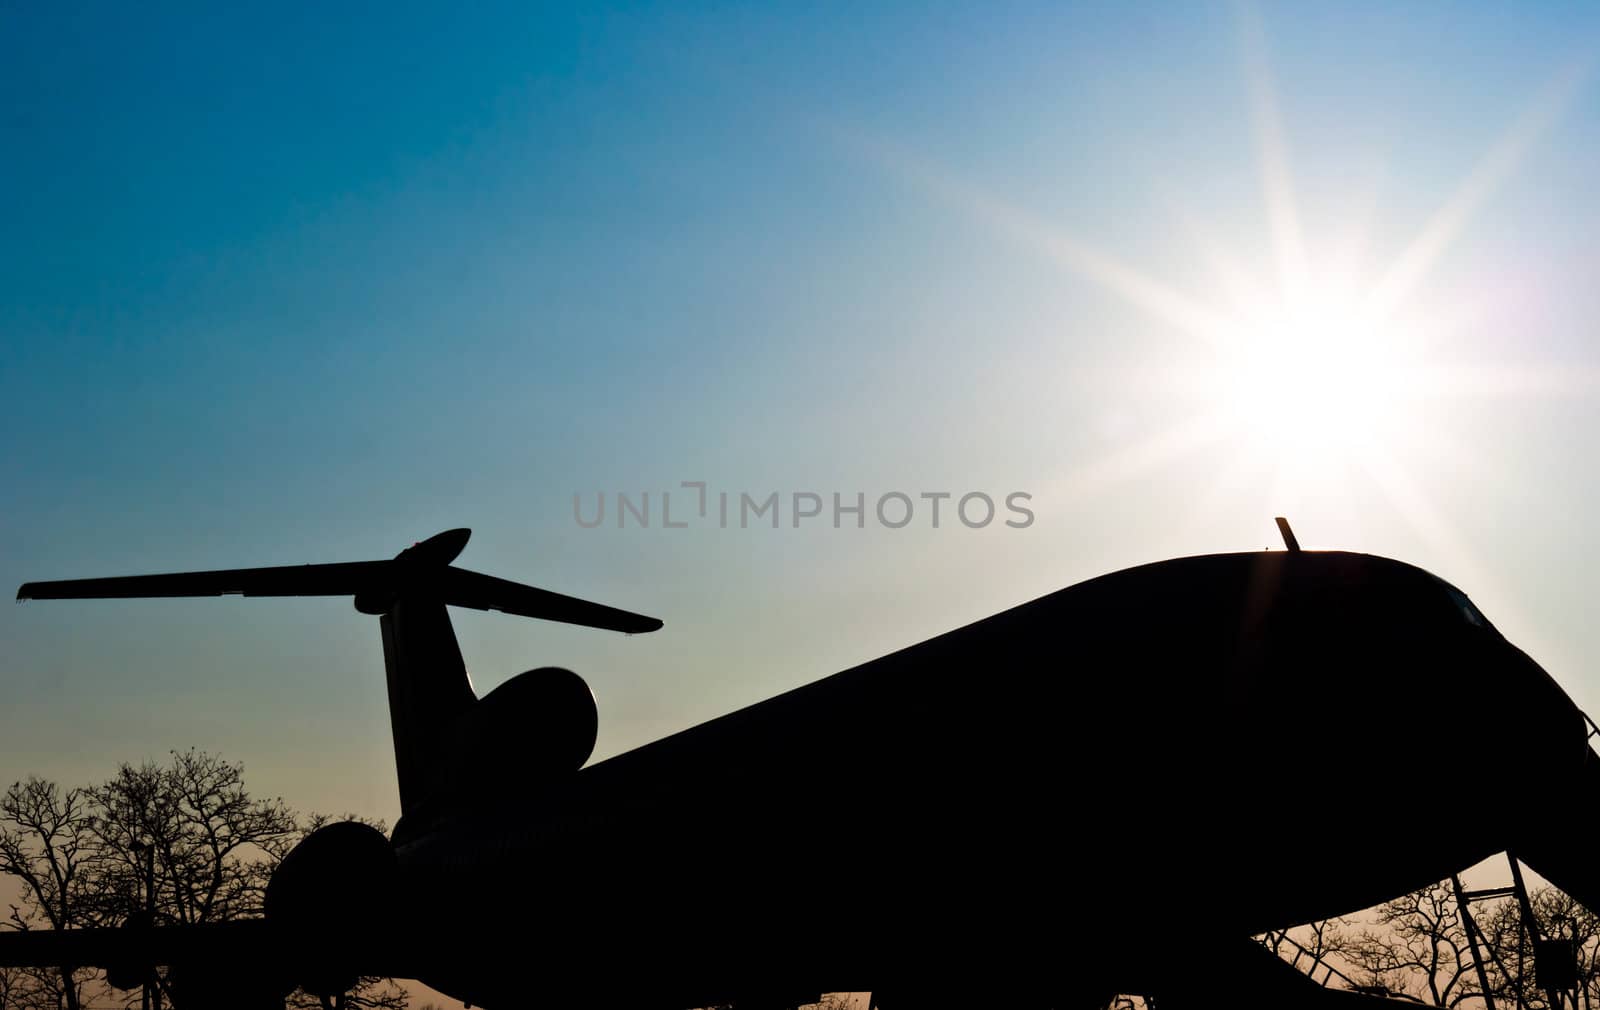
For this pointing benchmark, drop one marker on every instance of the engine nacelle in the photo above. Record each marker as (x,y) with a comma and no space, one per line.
(536,727)
(339,876)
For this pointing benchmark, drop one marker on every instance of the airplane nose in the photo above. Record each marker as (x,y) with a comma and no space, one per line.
(1556,845)
(1552,730)
(1553,773)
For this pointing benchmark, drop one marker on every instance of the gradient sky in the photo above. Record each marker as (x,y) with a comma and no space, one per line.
(292,285)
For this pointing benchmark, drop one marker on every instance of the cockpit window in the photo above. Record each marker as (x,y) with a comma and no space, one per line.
(1471,613)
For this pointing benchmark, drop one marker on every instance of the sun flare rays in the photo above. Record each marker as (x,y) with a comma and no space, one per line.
(1323,375)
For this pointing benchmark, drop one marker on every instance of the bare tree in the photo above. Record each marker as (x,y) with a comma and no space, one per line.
(1419,946)
(1561,915)
(183,843)
(47,842)
(369,992)
(179,843)
(20,989)
(1326,941)
(212,846)
(1558,916)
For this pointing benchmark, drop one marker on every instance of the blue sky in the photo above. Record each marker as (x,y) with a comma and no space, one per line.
(288,285)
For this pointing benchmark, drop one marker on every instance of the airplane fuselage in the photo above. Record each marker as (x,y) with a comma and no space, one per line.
(1032,804)
(1250,737)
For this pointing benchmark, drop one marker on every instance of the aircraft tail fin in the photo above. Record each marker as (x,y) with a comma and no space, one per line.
(427,679)
(422,568)
(428,691)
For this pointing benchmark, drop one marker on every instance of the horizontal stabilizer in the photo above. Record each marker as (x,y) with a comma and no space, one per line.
(462,588)
(421,571)
(346,579)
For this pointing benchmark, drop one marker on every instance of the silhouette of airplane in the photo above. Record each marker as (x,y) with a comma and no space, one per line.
(1110,789)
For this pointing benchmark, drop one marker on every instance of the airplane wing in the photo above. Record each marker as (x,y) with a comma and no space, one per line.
(110,947)
(247,963)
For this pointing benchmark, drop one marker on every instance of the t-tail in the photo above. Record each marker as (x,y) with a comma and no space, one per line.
(448,743)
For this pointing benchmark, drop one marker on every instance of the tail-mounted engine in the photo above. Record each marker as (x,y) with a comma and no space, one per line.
(535,729)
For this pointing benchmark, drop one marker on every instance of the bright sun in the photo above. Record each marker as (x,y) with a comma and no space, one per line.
(1318,377)
(1323,381)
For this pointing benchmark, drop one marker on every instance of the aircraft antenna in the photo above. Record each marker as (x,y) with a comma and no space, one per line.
(1288,534)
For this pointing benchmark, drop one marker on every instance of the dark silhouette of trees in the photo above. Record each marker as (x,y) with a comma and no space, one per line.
(1418,945)
(179,843)
(1327,941)
(210,846)
(1561,915)
(48,843)
(1558,916)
